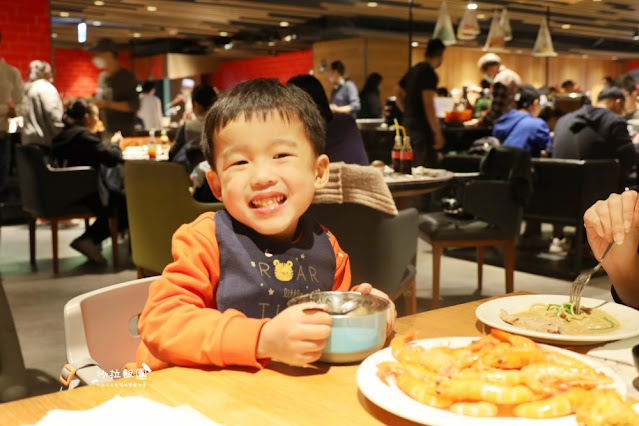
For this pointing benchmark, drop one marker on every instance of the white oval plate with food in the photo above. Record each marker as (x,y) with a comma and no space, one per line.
(392,399)
(489,313)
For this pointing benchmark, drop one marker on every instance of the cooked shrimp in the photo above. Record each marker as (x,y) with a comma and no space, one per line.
(477,390)
(550,378)
(555,406)
(422,391)
(504,355)
(492,375)
(513,339)
(388,368)
(475,409)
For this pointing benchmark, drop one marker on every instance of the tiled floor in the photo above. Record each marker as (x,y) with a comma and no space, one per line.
(37,297)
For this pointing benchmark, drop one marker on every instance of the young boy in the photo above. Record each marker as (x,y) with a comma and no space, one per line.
(223,299)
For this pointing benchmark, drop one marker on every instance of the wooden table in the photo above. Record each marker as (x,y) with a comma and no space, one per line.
(279,394)
(403,188)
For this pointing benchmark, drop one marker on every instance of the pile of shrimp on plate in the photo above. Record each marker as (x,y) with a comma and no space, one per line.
(500,374)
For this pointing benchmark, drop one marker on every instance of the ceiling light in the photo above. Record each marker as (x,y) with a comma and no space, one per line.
(172,31)
(223,34)
(414,44)
(565,27)
(635,36)
(151,8)
(64,14)
(283,24)
(54,35)
(98,3)
(472,5)
(82,32)
(228,46)
(481,16)
(137,35)
(372,4)
(596,0)
(288,38)
(271,43)
(97,23)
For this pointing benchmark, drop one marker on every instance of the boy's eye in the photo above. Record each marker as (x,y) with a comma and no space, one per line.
(238,163)
(282,155)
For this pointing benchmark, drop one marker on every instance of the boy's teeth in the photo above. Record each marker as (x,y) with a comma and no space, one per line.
(270,202)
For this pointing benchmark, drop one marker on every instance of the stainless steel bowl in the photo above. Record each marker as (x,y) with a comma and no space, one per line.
(355,334)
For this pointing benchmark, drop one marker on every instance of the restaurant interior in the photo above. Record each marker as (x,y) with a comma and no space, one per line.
(486,229)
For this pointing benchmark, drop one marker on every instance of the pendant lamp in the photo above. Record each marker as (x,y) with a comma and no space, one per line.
(543,44)
(504,21)
(444,26)
(495,40)
(468,28)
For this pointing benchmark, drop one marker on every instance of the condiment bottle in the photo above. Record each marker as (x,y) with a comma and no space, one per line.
(406,157)
(395,153)
(152,144)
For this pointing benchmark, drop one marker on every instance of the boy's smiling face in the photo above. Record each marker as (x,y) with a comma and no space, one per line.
(266,173)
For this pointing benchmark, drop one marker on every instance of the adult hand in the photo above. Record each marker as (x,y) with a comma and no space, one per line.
(439,141)
(613,219)
(391,314)
(101,103)
(333,107)
(296,335)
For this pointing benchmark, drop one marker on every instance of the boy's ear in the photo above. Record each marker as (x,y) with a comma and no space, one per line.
(321,171)
(214,182)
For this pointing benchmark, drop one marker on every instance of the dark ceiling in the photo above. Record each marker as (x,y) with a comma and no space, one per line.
(236,28)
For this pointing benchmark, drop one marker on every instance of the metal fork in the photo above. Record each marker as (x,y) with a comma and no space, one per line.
(583,278)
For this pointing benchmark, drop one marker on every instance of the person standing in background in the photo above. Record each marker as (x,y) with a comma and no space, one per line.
(116,97)
(629,87)
(416,94)
(150,111)
(369,98)
(344,97)
(504,83)
(43,119)
(11,101)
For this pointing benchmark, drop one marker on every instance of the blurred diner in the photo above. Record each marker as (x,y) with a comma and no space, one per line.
(343,139)
(116,95)
(75,145)
(150,111)
(344,96)
(43,119)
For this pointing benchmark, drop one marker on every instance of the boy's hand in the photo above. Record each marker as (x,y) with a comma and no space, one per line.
(296,335)
(391,314)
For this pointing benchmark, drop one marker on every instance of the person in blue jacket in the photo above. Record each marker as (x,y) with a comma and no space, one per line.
(521,127)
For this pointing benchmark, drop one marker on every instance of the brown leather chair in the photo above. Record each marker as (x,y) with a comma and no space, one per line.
(56,194)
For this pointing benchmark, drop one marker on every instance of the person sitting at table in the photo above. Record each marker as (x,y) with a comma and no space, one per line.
(521,127)
(617,219)
(186,147)
(75,145)
(343,139)
(223,299)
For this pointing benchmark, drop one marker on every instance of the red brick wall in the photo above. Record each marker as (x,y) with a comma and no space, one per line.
(25,32)
(75,74)
(282,67)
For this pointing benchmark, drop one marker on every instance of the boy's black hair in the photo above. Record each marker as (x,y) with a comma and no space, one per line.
(314,88)
(147,86)
(435,48)
(204,95)
(339,67)
(257,99)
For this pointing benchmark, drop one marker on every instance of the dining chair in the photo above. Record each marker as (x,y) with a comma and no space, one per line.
(492,213)
(56,194)
(13,375)
(158,203)
(382,248)
(101,331)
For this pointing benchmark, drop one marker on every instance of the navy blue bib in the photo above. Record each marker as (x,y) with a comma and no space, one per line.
(258,275)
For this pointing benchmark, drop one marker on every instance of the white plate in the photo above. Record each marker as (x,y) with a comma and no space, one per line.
(390,398)
(488,313)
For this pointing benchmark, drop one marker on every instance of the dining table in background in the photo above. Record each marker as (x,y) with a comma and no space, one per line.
(403,187)
(279,394)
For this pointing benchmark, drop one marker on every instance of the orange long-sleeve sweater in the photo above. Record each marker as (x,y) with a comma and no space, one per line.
(181,324)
